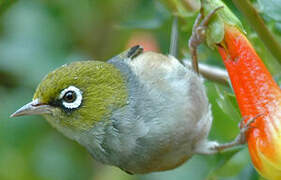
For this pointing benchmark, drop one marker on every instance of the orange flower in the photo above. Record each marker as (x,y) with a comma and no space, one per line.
(145,39)
(257,94)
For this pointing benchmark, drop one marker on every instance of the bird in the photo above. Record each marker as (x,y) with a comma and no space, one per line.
(140,111)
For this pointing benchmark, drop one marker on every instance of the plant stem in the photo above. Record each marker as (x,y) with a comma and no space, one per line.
(258,25)
(210,72)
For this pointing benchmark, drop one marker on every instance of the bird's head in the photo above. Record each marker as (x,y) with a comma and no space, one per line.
(78,95)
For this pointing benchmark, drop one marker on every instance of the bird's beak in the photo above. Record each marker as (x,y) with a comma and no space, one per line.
(32,108)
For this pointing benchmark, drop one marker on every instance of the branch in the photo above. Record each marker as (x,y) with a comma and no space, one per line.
(211,73)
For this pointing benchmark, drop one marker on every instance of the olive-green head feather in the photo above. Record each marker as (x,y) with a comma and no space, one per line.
(74,97)
(80,94)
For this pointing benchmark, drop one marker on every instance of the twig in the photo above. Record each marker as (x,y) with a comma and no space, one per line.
(211,73)
(174,38)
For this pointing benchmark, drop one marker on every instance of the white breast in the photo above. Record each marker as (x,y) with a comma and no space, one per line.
(179,111)
(167,115)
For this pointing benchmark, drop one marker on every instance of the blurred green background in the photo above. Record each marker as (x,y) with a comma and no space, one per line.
(37,36)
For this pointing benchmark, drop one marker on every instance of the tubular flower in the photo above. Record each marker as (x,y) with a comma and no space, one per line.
(258,96)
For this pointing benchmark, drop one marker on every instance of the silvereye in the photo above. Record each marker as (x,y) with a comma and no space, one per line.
(139,111)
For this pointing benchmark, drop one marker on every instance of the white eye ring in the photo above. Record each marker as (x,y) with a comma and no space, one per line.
(78,97)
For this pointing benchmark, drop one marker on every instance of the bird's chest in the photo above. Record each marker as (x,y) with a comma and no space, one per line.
(155,130)
(147,135)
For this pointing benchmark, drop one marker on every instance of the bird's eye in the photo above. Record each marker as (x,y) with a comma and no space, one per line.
(71,97)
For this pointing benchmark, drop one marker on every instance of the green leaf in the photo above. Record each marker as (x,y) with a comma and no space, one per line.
(234,165)
(5,4)
(228,104)
(271,8)
(221,160)
(149,15)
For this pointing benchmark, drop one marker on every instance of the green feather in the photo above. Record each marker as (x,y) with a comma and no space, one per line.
(103,86)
